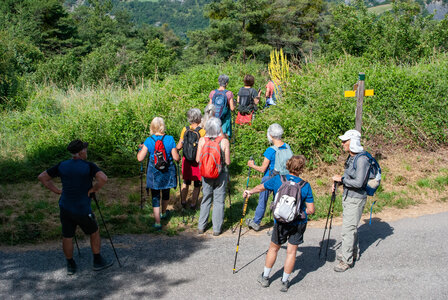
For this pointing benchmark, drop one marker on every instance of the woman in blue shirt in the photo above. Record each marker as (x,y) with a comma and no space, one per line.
(159,181)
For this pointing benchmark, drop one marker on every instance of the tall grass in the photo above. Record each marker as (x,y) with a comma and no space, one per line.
(409,105)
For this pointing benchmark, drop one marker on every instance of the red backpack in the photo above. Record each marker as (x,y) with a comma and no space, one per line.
(210,160)
(161,162)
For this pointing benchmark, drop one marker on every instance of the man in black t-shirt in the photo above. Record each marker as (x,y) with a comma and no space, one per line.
(75,210)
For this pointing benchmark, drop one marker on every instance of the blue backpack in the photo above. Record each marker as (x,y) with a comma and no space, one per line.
(373,178)
(220,101)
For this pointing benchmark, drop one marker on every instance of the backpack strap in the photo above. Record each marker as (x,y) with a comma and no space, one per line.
(283,178)
(366,154)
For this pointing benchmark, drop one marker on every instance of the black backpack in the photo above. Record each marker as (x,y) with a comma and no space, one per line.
(191,140)
(246,105)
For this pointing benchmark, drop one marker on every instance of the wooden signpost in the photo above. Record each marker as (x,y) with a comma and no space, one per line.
(359,92)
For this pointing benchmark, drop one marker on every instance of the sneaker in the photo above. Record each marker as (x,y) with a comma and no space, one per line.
(285,286)
(71,267)
(264,281)
(251,224)
(341,267)
(216,233)
(200,231)
(165,215)
(102,263)
(157,226)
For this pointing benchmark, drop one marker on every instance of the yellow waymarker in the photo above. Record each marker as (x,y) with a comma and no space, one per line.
(349,94)
(368,93)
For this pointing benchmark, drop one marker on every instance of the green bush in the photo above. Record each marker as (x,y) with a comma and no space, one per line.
(407,106)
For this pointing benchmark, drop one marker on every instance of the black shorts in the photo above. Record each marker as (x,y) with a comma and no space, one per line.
(197,183)
(288,232)
(69,222)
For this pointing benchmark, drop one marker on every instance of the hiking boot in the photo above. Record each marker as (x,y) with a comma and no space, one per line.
(102,263)
(71,267)
(285,286)
(216,233)
(201,231)
(264,281)
(339,256)
(341,267)
(251,224)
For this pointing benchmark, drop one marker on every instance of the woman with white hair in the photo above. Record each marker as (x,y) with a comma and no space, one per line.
(213,189)
(275,158)
(209,112)
(188,141)
(223,101)
(159,181)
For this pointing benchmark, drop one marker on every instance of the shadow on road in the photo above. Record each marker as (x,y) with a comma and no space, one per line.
(42,273)
(373,234)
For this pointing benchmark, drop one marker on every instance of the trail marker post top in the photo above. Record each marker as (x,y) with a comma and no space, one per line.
(359,92)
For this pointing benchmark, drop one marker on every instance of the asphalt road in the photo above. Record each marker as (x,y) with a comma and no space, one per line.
(405,259)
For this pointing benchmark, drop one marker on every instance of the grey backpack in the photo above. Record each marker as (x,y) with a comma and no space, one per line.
(281,157)
(286,206)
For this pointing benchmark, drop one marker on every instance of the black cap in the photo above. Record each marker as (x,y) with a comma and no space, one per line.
(76,145)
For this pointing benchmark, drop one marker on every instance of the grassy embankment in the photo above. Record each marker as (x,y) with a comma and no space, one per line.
(408,109)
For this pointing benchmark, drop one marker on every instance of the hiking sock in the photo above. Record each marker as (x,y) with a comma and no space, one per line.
(97,258)
(285,277)
(266,272)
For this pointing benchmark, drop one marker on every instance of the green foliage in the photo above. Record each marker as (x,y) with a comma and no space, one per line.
(402,34)
(251,29)
(313,113)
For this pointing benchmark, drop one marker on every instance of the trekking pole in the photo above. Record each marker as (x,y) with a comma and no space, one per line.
(228,190)
(104,223)
(330,213)
(371,208)
(76,242)
(141,185)
(241,221)
(244,209)
(180,195)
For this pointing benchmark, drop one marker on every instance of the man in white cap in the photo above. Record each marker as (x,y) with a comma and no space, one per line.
(354,198)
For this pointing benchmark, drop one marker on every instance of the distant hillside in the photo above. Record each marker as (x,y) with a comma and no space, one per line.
(181,16)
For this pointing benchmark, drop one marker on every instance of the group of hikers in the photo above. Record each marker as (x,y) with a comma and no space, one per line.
(206,156)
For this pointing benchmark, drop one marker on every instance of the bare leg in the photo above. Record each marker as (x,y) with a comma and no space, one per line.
(290,258)
(271,256)
(194,198)
(67,247)
(184,192)
(164,205)
(95,242)
(156,211)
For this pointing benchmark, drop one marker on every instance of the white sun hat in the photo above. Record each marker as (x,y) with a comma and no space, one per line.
(355,140)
